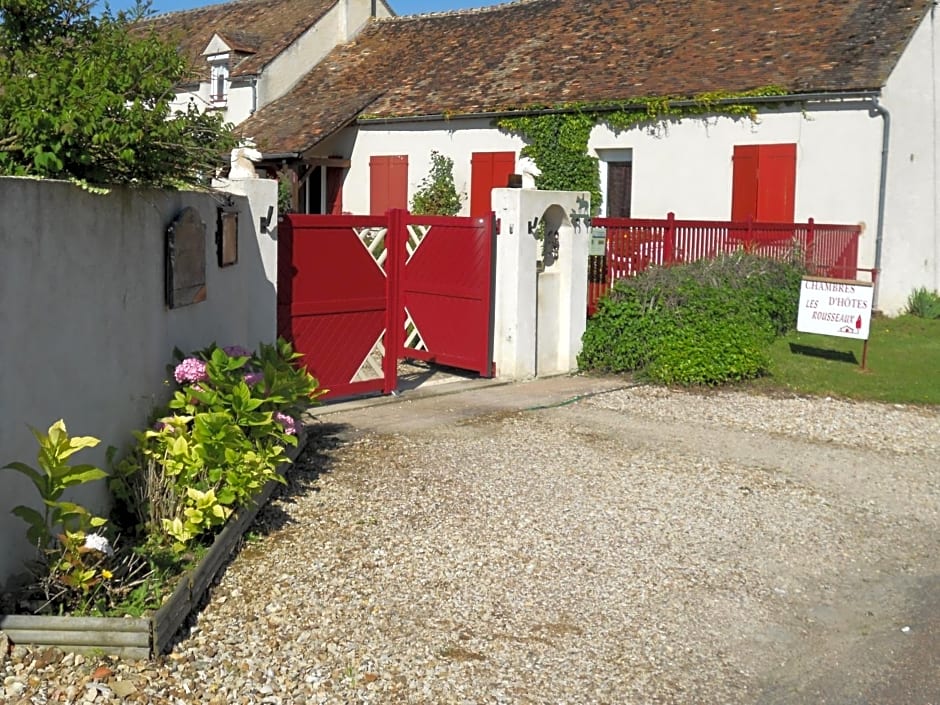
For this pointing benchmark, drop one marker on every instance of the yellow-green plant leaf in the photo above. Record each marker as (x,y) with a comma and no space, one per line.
(196,495)
(180,446)
(80,474)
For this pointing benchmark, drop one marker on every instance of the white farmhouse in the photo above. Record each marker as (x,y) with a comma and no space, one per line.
(851,138)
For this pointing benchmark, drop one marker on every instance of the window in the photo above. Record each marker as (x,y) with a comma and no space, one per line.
(218,87)
(617,181)
(324,194)
(764,183)
(619,189)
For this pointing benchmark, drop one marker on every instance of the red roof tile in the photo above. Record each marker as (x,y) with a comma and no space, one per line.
(550,52)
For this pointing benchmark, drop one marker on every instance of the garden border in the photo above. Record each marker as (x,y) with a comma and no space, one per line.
(145,637)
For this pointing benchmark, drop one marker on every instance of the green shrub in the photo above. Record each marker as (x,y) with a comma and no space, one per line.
(702,323)
(710,355)
(924,304)
(437,193)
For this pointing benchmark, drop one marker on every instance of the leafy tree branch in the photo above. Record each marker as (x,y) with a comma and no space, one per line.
(89,97)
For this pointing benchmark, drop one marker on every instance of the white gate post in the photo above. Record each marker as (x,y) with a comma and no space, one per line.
(541,303)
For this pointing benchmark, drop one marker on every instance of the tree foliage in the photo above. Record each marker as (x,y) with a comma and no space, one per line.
(437,194)
(88,97)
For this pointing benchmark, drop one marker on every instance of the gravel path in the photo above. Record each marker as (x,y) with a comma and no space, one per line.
(632,546)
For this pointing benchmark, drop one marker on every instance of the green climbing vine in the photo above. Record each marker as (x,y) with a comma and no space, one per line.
(558,141)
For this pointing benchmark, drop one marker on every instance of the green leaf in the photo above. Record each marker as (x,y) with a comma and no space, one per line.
(80,474)
(29,515)
(180,446)
(38,479)
(68,509)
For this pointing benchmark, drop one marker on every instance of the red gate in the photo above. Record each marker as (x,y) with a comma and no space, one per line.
(357,293)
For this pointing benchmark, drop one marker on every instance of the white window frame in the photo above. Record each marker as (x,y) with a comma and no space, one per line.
(218,79)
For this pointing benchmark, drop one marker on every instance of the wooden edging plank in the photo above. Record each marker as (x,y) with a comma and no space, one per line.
(12,622)
(143,638)
(98,638)
(167,620)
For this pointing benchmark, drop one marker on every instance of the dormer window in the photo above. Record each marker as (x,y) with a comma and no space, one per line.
(218,83)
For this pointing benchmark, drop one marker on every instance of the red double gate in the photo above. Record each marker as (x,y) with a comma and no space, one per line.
(358,293)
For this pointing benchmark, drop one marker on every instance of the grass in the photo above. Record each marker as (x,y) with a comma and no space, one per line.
(903,363)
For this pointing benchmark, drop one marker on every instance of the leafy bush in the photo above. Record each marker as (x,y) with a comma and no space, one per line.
(437,193)
(924,304)
(702,323)
(218,441)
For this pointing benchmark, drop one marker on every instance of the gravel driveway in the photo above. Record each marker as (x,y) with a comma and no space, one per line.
(628,546)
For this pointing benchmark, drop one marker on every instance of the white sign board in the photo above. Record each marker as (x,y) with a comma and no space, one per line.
(837,307)
(598,244)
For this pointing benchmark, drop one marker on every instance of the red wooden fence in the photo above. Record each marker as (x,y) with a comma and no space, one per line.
(634,245)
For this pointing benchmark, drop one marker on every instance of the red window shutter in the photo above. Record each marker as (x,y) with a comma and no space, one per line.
(776,183)
(744,183)
(334,190)
(488,170)
(388,183)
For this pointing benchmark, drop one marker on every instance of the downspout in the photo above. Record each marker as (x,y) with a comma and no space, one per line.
(876,110)
(254,95)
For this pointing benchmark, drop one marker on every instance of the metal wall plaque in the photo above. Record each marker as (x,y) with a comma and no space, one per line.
(186,260)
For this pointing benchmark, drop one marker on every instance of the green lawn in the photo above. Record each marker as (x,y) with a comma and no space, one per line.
(903,363)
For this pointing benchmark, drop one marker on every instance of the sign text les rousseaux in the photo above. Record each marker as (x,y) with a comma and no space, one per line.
(836,307)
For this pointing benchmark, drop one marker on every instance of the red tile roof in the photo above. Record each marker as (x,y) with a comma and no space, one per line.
(550,52)
(262,29)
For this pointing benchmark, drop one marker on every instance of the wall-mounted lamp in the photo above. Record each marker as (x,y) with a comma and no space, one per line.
(266,219)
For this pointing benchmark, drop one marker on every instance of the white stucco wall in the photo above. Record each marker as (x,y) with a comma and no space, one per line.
(86,333)
(685,168)
(237,107)
(292,63)
(911,243)
(456,139)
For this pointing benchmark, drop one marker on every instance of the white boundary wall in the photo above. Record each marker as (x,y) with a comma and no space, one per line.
(86,335)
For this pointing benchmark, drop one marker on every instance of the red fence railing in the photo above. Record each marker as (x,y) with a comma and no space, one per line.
(633,245)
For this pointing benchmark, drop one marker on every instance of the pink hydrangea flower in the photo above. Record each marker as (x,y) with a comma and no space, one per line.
(288,422)
(252,378)
(236,351)
(190,370)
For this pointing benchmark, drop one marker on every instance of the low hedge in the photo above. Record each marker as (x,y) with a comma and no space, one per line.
(707,322)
